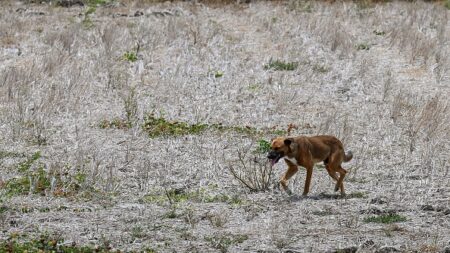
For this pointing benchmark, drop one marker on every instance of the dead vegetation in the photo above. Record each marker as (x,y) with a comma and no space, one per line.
(143,125)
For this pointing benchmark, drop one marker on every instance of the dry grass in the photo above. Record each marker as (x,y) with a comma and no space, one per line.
(65,71)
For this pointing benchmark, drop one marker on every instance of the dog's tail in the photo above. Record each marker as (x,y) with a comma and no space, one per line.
(348,156)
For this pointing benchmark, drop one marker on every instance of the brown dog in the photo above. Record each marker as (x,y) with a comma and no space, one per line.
(307,151)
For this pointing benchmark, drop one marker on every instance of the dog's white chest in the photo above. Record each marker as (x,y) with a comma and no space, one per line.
(292,160)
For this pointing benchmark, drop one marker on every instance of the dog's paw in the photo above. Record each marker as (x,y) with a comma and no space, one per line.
(336,188)
(288,191)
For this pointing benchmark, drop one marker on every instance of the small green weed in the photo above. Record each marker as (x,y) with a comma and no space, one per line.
(218,74)
(379,33)
(363,46)
(130,56)
(25,166)
(385,218)
(281,66)
(447,4)
(263,146)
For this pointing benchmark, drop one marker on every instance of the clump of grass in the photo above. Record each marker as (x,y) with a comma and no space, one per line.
(279,65)
(385,218)
(263,146)
(362,46)
(447,4)
(116,123)
(159,126)
(45,243)
(40,181)
(223,242)
(9,154)
(379,33)
(87,22)
(130,56)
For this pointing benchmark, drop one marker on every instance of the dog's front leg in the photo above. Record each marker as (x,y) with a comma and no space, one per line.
(292,169)
(309,171)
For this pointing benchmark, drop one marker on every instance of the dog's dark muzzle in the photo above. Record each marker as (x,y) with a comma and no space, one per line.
(274,156)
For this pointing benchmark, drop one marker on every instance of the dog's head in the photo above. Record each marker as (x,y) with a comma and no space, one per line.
(280,148)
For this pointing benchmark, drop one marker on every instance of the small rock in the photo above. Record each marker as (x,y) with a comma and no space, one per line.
(446,249)
(138,13)
(387,249)
(446,212)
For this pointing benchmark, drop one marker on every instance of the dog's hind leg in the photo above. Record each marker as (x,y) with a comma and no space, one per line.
(340,182)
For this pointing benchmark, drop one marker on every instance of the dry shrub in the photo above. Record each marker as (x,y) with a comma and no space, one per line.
(252,170)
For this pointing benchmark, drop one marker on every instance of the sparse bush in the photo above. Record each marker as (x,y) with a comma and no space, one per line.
(252,171)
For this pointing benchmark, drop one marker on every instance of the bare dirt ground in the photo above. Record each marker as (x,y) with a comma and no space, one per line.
(76,85)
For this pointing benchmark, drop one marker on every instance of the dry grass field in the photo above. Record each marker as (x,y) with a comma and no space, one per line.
(126,126)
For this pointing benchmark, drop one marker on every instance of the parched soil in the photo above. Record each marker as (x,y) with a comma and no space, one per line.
(119,124)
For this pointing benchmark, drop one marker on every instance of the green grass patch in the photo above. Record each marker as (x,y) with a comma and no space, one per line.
(46,243)
(447,4)
(385,218)
(161,127)
(279,65)
(130,56)
(33,178)
(263,146)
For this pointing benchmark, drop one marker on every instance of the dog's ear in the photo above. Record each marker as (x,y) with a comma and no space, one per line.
(288,141)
